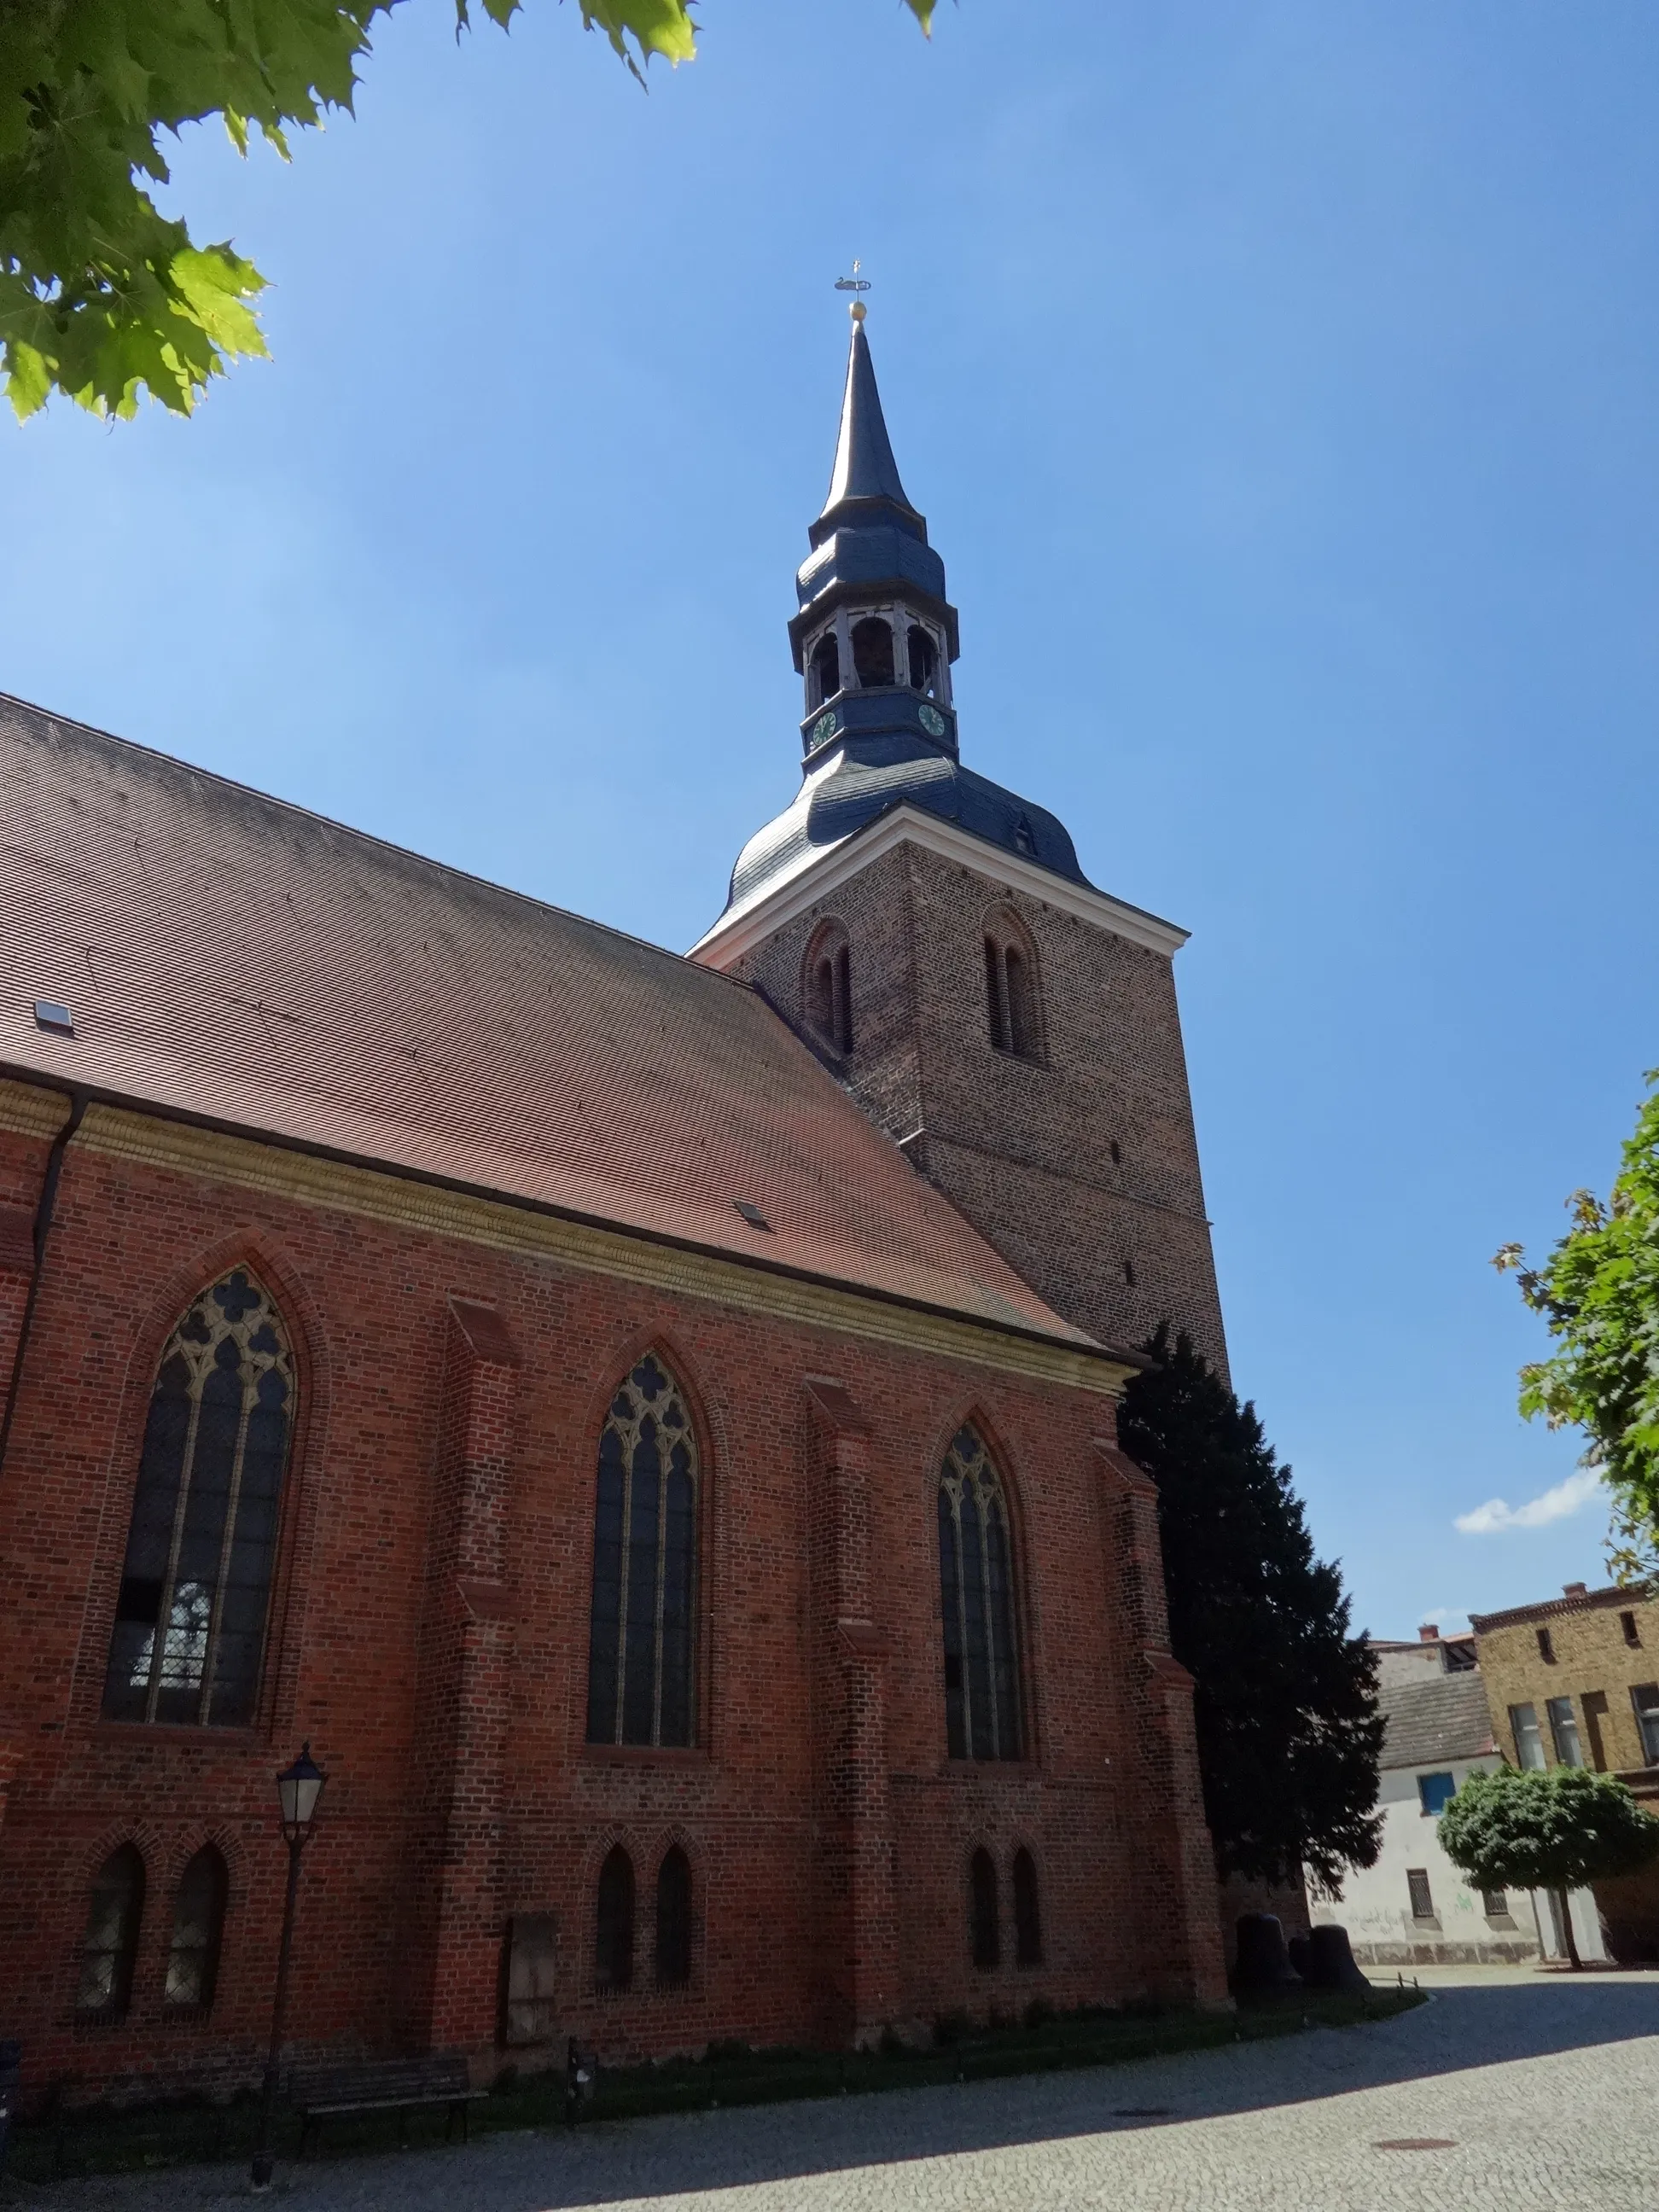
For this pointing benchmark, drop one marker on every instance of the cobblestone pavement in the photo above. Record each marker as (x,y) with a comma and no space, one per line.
(1543,2087)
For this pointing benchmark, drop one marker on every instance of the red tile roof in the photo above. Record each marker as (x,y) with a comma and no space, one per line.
(237,960)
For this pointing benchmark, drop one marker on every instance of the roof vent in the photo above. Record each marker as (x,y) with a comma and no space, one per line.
(752,1214)
(48,1015)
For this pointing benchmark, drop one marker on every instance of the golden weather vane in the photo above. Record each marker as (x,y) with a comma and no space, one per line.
(854,284)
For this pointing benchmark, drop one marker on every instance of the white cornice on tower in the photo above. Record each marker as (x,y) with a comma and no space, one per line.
(816,876)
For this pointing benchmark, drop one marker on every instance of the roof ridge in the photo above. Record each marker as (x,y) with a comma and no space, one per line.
(365,836)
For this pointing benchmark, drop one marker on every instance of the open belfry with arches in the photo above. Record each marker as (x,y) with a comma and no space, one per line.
(647,1421)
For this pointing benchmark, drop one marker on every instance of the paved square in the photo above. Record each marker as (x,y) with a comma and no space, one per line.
(1546,2087)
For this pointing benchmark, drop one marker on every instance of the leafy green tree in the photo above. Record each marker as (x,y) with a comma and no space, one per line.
(1288,1729)
(1599,1293)
(1556,1829)
(101,296)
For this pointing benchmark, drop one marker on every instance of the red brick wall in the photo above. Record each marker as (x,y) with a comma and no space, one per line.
(450,1717)
(1024,1150)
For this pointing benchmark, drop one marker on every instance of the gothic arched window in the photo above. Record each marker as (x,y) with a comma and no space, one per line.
(982,1661)
(190,1622)
(639,1667)
(110,1944)
(829,985)
(924,659)
(1028,1922)
(198,1920)
(1012,1010)
(872,650)
(674,1920)
(826,669)
(614,1951)
(983,1921)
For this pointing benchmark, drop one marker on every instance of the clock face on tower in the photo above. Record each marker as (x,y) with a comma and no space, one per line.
(824,727)
(932,721)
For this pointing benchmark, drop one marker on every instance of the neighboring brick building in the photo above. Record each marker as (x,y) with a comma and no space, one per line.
(502,1352)
(1575,1682)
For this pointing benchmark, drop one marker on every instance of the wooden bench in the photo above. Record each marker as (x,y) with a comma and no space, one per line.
(384,2085)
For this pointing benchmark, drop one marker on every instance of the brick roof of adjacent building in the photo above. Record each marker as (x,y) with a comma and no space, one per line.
(234,960)
(1428,1723)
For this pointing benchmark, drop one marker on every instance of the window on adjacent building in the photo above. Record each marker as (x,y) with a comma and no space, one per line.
(985,1926)
(641,1650)
(1416,1881)
(1644,1700)
(613,1947)
(828,985)
(1495,1903)
(1028,1921)
(1564,1732)
(110,1945)
(1546,1646)
(1528,1742)
(982,1659)
(198,1918)
(674,1920)
(1594,1703)
(1013,1009)
(872,651)
(1632,1633)
(1435,1792)
(190,1621)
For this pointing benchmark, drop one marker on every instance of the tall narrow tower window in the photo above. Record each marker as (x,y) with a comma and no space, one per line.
(829,985)
(1012,1004)
(872,651)
(826,669)
(924,660)
(977,1593)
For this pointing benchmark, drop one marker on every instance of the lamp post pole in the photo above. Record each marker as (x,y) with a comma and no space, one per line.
(298,1789)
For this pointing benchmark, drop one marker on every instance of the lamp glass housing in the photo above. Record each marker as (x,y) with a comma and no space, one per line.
(298,1789)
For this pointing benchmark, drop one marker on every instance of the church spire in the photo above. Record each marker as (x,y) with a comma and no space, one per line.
(864,467)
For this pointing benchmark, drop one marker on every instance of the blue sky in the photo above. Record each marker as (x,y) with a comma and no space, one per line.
(1279,381)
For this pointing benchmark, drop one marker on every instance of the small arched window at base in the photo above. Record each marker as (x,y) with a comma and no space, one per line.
(110,1946)
(613,1963)
(674,1920)
(983,1918)
(1027,1923)
(198,1919)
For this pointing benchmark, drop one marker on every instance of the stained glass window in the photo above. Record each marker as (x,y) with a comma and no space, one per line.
(111,1943)
(639,1667)
(614,1957)
(199,1916)
(983,1911)
(674,1919)
(190,1622)
(981,1661)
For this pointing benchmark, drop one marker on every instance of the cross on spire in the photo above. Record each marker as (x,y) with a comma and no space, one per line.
(854,284)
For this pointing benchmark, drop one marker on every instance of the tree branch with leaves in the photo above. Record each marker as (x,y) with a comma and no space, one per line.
(1598,1293)
(102,297)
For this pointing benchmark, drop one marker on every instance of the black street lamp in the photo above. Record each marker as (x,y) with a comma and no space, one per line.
(298,1789)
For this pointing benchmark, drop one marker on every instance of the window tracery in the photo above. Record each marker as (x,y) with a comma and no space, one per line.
(189,1621)
(110,1946)
(198,1918)
(640,1687)
(982,1701)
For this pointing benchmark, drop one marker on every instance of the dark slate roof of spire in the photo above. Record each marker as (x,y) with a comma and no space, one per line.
(864,467)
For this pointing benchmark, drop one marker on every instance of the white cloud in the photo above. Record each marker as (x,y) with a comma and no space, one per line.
(1538,1512)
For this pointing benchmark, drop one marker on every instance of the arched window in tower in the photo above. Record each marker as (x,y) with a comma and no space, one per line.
(639,1671)
(982,1698)
(613,1960)
(198,1919)
(984,1930)
(872,650)
(826,669)
(1028,1923)
(110,1945)
(1012,1004)
(190,1621)
(829,985)
(924,660)
(674,1920)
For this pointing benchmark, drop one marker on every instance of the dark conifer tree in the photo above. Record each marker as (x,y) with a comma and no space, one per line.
(1288,1729)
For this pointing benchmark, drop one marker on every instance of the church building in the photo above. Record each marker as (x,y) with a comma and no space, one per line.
(645,1421)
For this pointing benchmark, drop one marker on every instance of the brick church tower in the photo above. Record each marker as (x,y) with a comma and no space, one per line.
(933,938)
